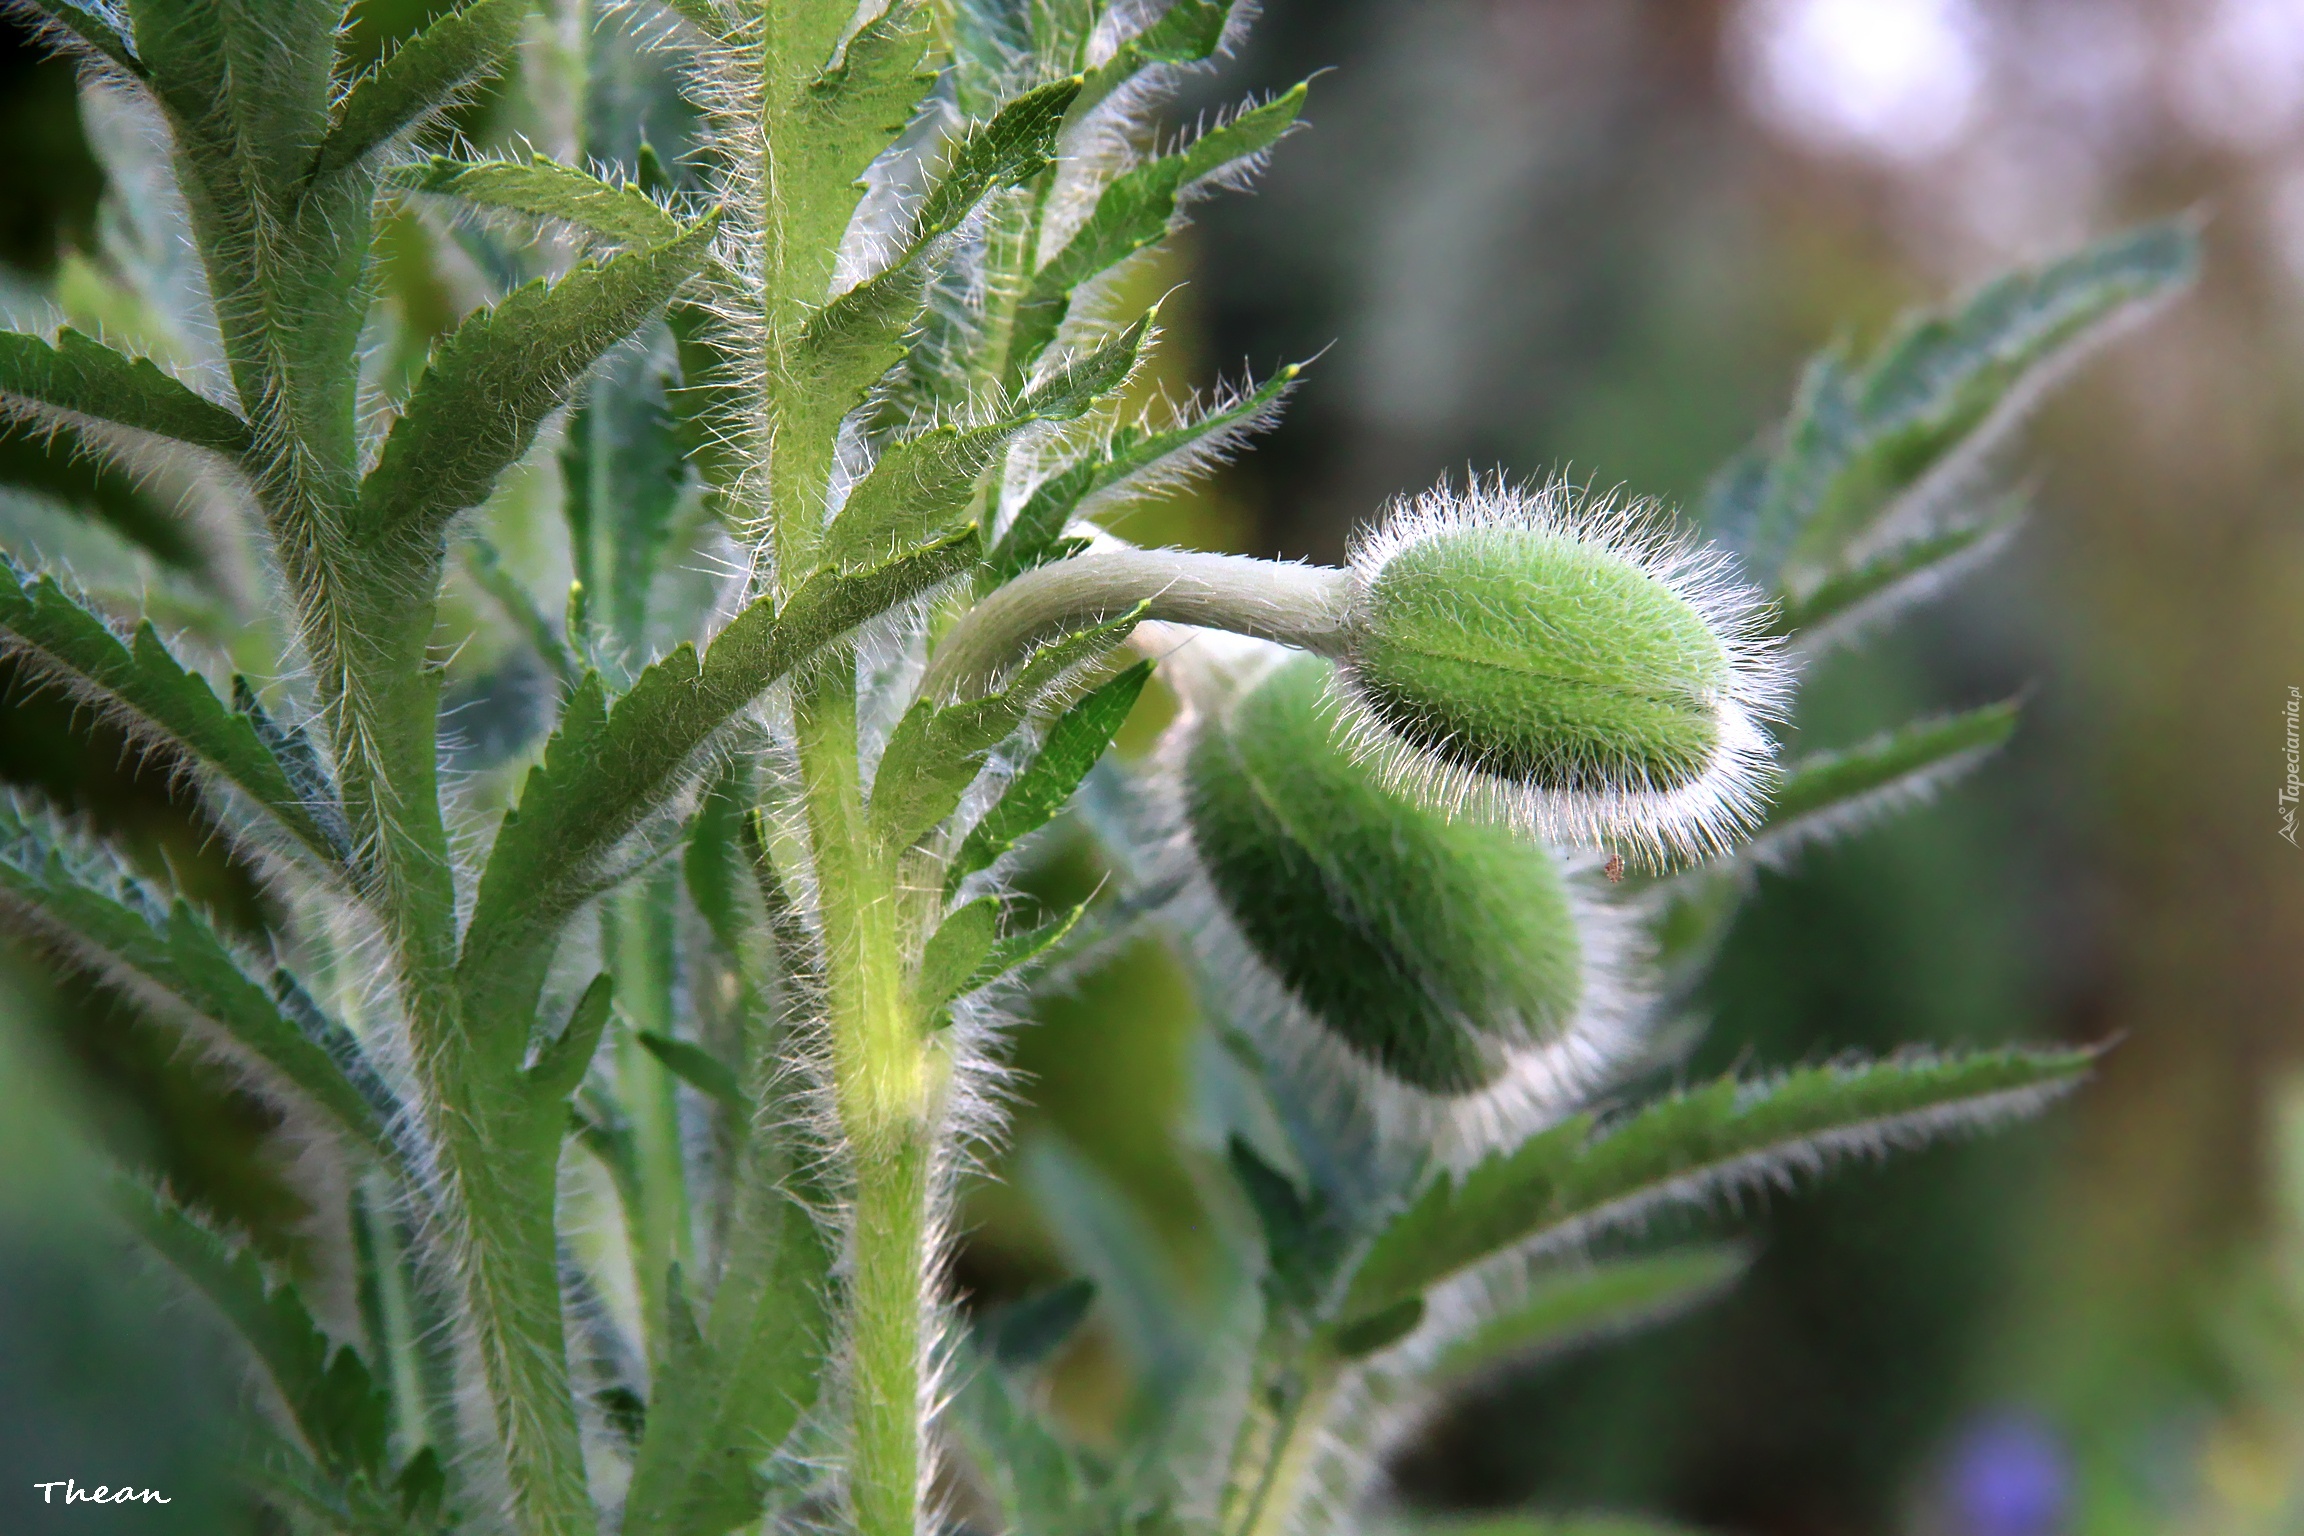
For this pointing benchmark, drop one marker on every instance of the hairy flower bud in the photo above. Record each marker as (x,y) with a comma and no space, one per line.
(1602,678)
(1434,949)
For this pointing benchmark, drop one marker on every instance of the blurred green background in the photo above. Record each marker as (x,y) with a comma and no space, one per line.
(1597,237)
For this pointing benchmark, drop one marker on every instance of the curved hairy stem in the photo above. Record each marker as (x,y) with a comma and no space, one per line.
(1300,605)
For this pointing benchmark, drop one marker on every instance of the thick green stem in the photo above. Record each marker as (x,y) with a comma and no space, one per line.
(887,1083)
(1277,1450)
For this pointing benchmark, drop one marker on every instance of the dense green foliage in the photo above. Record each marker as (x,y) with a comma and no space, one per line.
(718,964)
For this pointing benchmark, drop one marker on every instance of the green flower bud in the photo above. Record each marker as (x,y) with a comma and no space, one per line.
(1603,678)
(1436,950)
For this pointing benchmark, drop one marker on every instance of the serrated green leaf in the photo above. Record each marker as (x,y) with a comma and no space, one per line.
(1861,438)
(607,769)
(695,1066)
(937,749)
(139,686)
(1832,792)
(1570,1182)
(1572,1306)
(491,384)
(1082,383)
(546,189)
(560,1066)
(1019,950)
(838,124)
(82,375)
(423,76)
(331,1398)
(167,957)
(1136,210)
(1032,537)
(1018,143)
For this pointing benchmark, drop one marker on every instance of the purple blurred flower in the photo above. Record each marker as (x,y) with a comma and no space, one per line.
(2008,1475)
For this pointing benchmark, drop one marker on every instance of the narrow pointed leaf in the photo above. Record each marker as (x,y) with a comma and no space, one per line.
(1018,951)
(560,1067)
(925,484)
(695,1066)
(1883,582)
(953,953)
(921,487)
(82,375)
(852,341)
(425,75)
(1136,210)
(1073,746)
(1934,394)
(545,189)
(1568,1182)
(1832,793)
(840,123)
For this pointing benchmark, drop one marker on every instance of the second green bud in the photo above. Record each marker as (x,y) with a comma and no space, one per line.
(1435,950)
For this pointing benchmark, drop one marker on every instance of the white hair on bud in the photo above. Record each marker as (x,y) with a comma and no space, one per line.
(1650,823)
(1542,1080)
